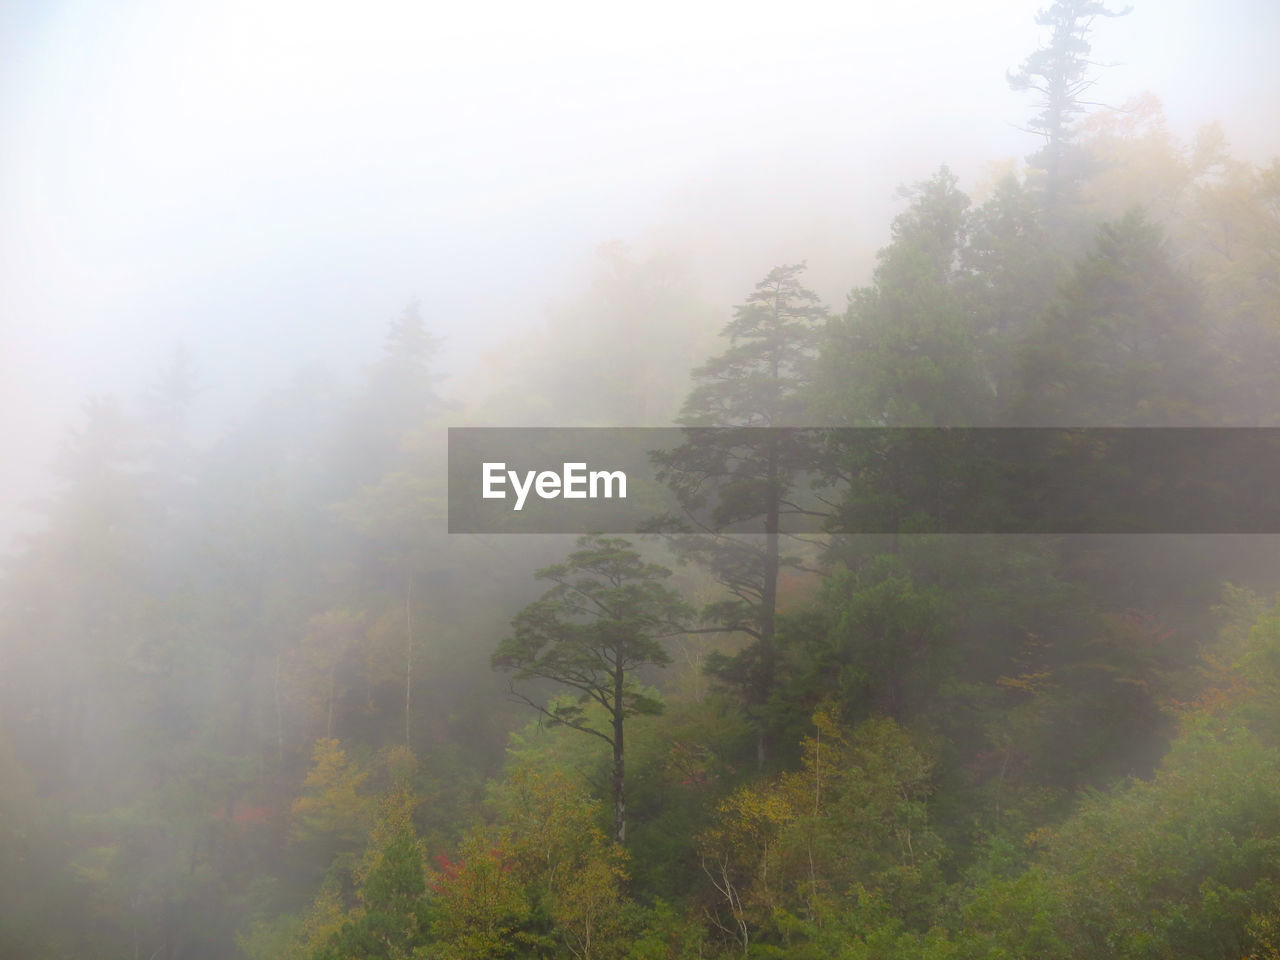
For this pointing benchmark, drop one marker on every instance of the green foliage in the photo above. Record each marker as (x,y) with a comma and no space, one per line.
(854,816)
(213,662)
(391,921)
(601,622)
(668,936)
(1125,344)
(906,352)
(1180,866)
(880,647)
(479,905)
(744,479)
(1059,74)
(758,380)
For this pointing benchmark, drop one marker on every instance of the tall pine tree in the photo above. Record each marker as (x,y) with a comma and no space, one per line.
(743,479)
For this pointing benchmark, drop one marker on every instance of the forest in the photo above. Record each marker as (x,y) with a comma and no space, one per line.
(256,702)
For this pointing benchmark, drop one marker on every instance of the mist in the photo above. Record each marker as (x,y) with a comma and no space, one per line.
(256,258)
(268,184)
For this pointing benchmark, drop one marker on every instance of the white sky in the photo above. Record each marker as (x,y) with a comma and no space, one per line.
(270,182)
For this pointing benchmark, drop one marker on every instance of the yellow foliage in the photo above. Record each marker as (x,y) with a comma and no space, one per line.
(1027,682)
(1141,161)
(478,904)
(550,843)
(324,919)
(854,813)
(588,912)
(333,805)
(548,826)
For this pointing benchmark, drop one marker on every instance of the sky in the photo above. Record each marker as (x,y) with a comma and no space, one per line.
(269,183)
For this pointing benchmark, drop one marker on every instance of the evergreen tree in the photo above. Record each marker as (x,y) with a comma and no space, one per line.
(1008,274)
(1059,73)
(747,475)
(399,397)
(602,621)
(1124,344)
(906,352)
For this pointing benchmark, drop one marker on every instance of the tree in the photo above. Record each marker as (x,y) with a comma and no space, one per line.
(854,818)
(759,382)
(333,804)
(602,621)
(1180,865)
(74,610)
(391,921)
(1236,224)
(906,353)
(1125,344)
(1008,273)
(478,907)
(398,398)
(1059,72)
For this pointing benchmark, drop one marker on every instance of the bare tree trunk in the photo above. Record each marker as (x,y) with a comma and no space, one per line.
(408,653)
(619,771)
(768,604)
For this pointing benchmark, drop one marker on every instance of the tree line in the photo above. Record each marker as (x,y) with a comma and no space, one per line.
(256,702)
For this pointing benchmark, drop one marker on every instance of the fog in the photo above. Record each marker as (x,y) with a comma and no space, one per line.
(257,702)
(269,183)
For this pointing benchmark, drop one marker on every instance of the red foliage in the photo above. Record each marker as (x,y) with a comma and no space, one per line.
(245,815)
(448,871)
(251,815)
(1148,627)
(794,587)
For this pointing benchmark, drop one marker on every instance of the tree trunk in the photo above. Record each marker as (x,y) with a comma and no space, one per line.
(619,797)
(408,653)
(768,603)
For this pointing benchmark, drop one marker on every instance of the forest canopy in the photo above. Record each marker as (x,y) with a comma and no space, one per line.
(256,702)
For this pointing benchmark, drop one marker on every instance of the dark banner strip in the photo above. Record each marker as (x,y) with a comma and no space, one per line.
(865,480)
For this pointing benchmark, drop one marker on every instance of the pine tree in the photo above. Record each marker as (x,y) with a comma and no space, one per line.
(1059,73)
(906,352)
(602,621)
(399,397)
(759,384)
(1125,343)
